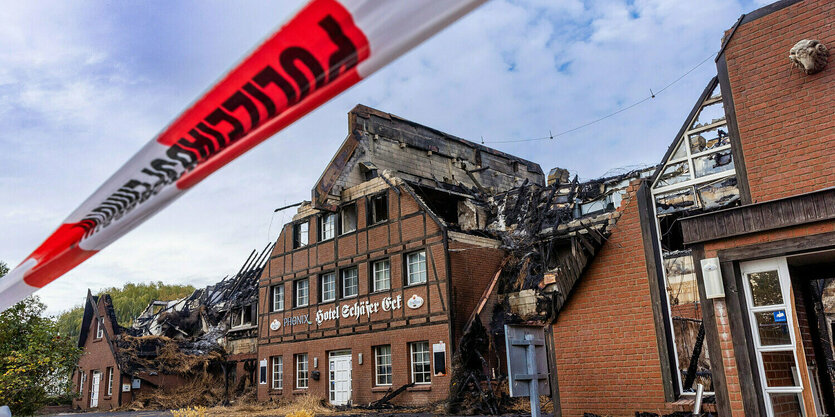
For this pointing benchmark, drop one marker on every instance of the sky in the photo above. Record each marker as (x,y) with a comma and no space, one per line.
(85,84)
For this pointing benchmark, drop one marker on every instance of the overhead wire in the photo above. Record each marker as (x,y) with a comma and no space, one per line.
(600,119)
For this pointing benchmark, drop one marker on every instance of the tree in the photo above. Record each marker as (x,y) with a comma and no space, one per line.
(128,302)
(35,361)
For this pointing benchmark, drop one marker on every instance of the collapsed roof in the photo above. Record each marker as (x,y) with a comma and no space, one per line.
(175,336)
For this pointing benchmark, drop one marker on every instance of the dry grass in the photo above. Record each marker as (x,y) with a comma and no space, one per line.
(304,405)
(189,412)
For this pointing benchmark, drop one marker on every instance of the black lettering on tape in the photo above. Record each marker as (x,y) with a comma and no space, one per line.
(268,76)
(289,59)
(218,115)
(259,95)
(238,100)
(346,55)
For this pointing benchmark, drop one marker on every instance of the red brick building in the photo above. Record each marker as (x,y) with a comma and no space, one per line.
(368,288)
(746,187)
(101,381)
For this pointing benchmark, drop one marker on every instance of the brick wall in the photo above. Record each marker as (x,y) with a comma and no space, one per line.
(408,229)
(606,351)
(785,117)
(473,267)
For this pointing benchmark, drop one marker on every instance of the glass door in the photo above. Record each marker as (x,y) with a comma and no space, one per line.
(768,294)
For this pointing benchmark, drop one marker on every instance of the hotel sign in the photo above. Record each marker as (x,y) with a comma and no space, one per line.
(358,309)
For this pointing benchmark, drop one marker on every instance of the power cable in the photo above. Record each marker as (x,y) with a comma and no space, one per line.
(600,119)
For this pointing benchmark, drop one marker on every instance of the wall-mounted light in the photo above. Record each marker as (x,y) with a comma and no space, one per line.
(315,361)
(359,358)
(712,275)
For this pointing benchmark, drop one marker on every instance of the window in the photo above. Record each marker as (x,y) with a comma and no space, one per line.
(300,237)
(350,282)
(301,371)
(416,265)
(278,372)
(109,381)
(302,293)
(421,372)
(241,316)
(81,380)
(328,287)
(327,226)
(697,175)
(99,328)
(277,297)
(382,364)
(382,275)
(348,219)
(236,317)
(378,209)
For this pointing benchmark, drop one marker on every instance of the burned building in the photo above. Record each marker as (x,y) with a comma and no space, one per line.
(367,288)
(712,269)
(372,285)
(206,339)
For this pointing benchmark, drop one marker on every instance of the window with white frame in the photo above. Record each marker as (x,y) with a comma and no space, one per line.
(278,372)
(302,290)
(241,316)
(82,379)
(327,226)
(277,297)
(382,365)
(99,328)
(328,287)
(421,367)
(350,282)
(416,268)
(300,235)
(382,275)
(301,371)
(697,176)
(348,219)
(109,381)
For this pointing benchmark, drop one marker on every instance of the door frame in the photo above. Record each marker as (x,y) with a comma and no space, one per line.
(340,354)
(780,265)
(95,387)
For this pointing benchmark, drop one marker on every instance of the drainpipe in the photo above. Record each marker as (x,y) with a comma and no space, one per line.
(697,406)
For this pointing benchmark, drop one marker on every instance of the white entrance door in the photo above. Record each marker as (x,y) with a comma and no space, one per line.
(94,389)
(339,366)
(768,295)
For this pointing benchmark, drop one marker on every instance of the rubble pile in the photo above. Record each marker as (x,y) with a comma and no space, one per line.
(164,355)
(187,341)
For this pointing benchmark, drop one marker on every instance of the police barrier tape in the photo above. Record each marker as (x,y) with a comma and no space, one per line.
(325,48)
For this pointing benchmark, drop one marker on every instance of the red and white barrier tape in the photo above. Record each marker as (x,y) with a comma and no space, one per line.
(326,48)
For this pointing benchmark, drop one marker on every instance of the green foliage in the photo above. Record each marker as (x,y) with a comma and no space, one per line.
(128,301)
(35,361)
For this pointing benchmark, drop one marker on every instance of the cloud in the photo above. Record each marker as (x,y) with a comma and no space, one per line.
(83,87)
